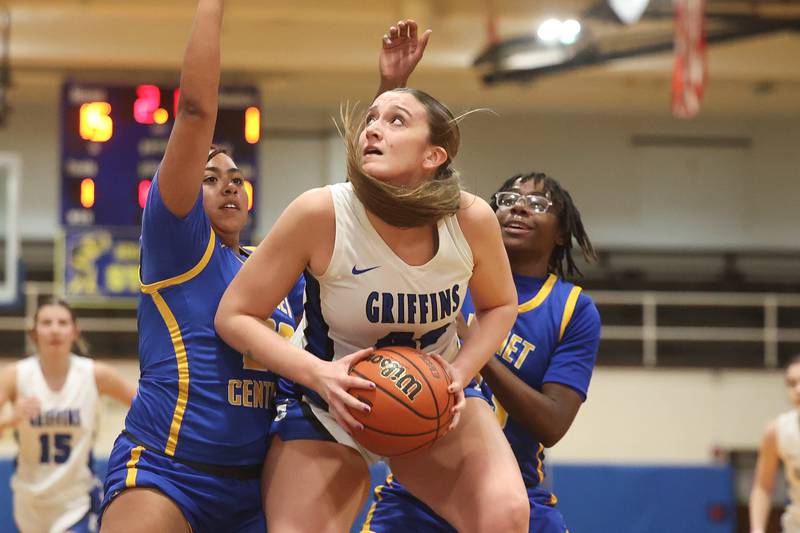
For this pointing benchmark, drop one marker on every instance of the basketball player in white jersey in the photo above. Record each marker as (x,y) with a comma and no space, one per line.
(387,259)
(779,444)
(55,397)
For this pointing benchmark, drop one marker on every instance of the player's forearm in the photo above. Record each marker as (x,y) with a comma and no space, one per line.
(201,62)
(536,412)
(494,325)
(124,393)
(387,84)
(256,340)
(760,504)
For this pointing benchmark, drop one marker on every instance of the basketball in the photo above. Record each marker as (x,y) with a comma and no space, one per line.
(410,404)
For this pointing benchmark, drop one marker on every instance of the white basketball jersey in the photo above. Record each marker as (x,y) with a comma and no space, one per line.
(368,296)
(55,447)
(788,437)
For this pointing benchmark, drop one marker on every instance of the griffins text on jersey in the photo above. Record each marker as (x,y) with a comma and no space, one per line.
(57,417)
(411,308)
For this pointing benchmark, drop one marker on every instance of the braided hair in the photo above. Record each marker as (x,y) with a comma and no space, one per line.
(569,223)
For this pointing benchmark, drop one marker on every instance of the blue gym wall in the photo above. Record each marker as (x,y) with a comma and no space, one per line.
(593,498)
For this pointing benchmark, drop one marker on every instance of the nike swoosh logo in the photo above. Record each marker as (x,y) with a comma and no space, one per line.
(356,271)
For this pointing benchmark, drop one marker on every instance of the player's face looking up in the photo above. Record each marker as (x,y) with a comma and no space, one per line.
(528,218)
(395,142)
(54,329)
(224,195)
(793,383)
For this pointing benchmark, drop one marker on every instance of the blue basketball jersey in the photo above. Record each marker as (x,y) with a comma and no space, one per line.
(198,399)
(554,340)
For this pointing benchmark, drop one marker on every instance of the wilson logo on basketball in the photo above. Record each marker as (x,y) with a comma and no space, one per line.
(411,405)
(397,373)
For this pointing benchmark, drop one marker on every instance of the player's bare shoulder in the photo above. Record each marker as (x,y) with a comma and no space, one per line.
(770,433)
(313,206)
(476,218)
(308,227)
(8,382)
(310,215)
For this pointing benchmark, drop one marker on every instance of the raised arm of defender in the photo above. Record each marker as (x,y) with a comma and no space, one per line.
(181,174)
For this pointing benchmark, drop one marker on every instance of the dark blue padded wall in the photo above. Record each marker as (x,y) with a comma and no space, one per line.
(593,498)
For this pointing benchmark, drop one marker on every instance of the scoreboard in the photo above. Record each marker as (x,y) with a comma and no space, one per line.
(113,139)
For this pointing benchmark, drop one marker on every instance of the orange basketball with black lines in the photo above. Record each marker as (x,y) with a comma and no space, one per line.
(410,404)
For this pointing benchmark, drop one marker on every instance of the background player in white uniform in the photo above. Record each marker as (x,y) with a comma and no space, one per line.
(780,444)
(376,254)
(55,395)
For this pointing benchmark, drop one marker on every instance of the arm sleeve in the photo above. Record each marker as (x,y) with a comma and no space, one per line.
(171,245)
(573,360)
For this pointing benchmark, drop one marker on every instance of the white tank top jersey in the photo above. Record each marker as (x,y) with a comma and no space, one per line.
(55,447)
(368,296)
(788,437)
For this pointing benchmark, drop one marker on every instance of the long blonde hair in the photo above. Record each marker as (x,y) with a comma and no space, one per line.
(403,207)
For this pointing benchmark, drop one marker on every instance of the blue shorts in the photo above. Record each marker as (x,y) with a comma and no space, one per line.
(295,420)
(209,503)
(395,510)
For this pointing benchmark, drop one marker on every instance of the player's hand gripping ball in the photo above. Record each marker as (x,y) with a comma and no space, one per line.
(410,405)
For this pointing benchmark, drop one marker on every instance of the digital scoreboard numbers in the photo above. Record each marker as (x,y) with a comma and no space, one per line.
(113,139)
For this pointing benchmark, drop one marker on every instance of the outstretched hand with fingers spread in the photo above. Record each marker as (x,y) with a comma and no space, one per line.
(402,50)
